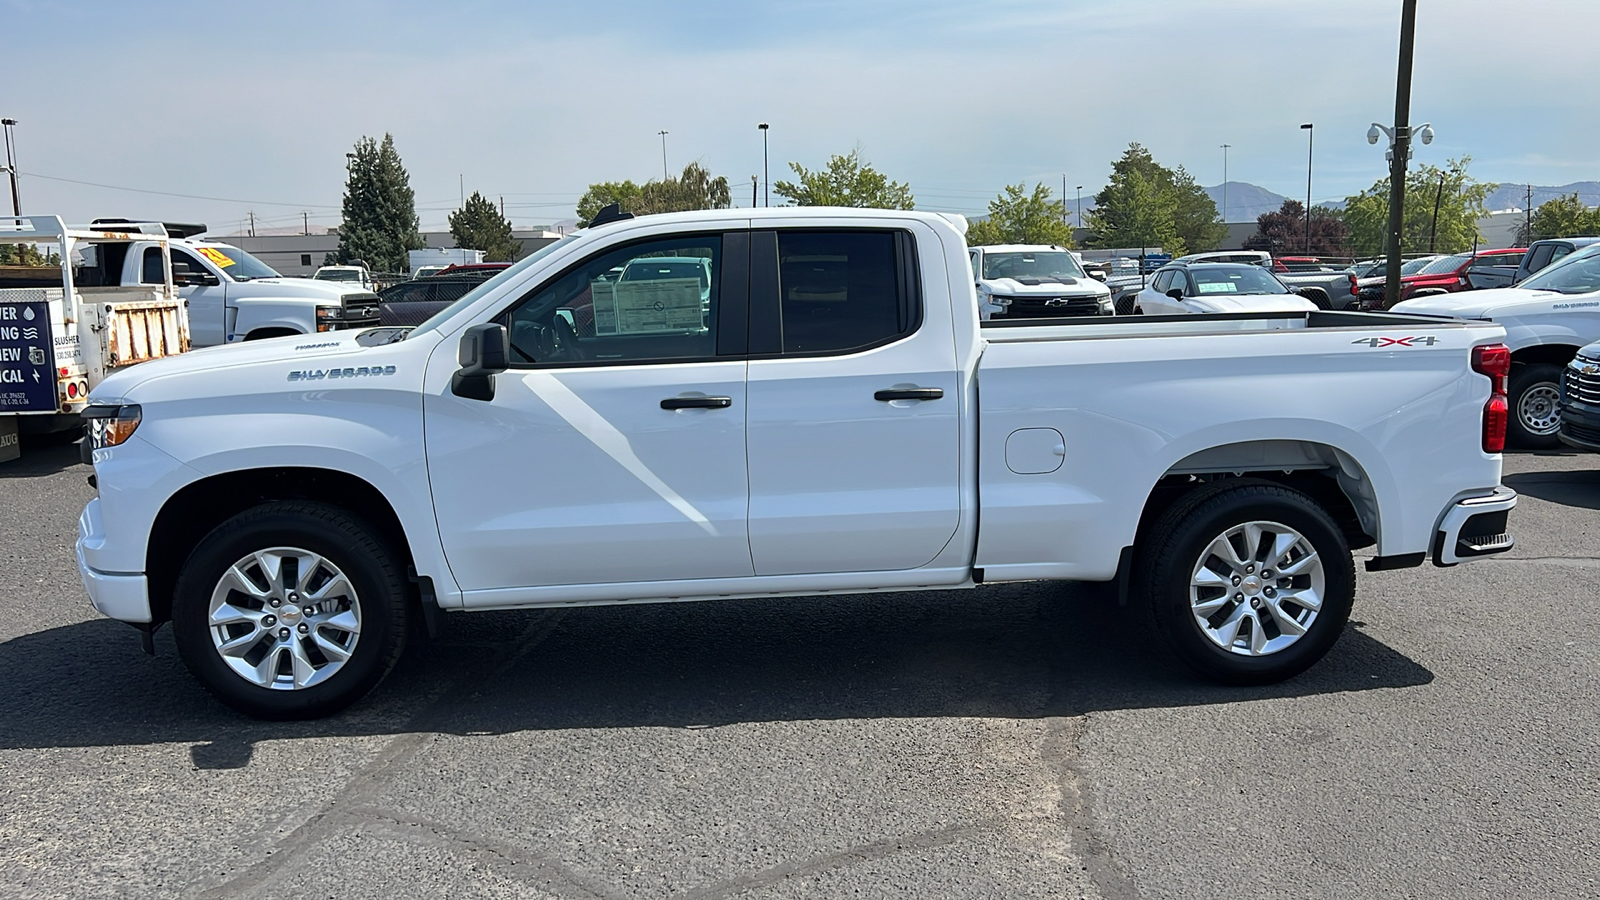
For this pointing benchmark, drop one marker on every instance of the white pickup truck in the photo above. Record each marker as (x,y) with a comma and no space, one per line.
(831,419)
(232,295)
(1547,319)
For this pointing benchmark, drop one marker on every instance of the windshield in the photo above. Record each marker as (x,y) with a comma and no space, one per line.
(338,275)
(1444,264)
(239,265)
(657,269)
(471,297)
(1579,273)
(1235,280)
(1413,266)
(1034,267)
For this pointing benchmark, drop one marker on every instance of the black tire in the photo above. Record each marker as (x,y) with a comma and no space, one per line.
(1526,377)
(1189,526)
(370,565)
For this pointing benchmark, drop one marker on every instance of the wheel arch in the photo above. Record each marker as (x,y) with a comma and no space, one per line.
(271,331)
(200,506)
(1553,354)
(1328,475)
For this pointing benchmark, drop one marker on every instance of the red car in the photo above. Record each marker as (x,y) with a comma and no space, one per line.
(1448,274)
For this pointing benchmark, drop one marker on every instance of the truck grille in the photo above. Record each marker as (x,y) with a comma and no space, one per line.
(1583,434)
(1049,307)
(1580,386)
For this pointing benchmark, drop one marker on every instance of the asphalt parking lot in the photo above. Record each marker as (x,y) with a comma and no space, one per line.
(1014,741)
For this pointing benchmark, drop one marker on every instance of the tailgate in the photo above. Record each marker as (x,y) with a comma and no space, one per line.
(140,330)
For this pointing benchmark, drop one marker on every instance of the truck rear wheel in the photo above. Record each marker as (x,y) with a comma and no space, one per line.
(1535,390)
(290,610)
(1248,584)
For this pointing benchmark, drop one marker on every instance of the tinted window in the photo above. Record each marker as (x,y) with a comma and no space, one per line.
(668,310)
(180,258)
(1445,264)
(1559,251)
(1575,275)
(1163,282)
(152,273)
(840,290)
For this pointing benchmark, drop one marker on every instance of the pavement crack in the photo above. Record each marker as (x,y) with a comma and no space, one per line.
(879,849)
(369,779)
(1061,752)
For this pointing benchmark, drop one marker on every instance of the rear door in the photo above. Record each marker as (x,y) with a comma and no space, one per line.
(854,426)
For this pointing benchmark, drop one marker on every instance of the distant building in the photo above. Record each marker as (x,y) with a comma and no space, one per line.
(302,254)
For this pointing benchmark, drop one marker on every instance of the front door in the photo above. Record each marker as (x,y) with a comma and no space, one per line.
(614,448)
(854,423)
(207,309)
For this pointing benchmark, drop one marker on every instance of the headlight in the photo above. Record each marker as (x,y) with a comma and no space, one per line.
(999,300)
(110,425)
(330,312)
(1106,306)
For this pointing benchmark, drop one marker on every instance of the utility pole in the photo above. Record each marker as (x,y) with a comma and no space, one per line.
(305,222)
(502,206)
(664,175)
(1400,150)
(1310,136)
(252,223)
(1527,207)
(754,180)
(1225,148)
(766,171)
(1063,201)
(10,164)
(1080,205)
(461,185)
(1433,229)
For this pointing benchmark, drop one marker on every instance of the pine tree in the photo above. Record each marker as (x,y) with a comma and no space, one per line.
(380,210)
(479,226)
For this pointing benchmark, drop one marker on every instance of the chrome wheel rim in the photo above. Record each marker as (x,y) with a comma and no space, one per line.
(284,619)
(1257,588)
(1540,408)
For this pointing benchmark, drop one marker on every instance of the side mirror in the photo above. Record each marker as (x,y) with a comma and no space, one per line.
(1175,293)
(183,276)
(482,355)
(1097,275)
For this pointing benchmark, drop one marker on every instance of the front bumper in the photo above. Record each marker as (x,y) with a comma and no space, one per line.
(1580,424)
(120,595)
(1475,527)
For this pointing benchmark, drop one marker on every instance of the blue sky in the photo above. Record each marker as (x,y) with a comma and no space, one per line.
(256,104)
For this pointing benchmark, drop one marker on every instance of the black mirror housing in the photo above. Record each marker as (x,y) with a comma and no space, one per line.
(1175,293)
(482,355)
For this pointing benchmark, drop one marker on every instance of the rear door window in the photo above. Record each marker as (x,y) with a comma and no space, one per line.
(840,291)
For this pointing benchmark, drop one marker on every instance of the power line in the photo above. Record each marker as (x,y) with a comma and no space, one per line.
(114,187)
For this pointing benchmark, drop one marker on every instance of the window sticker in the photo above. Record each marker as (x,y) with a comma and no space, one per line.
(216,256)
(667,306)
(1218,287)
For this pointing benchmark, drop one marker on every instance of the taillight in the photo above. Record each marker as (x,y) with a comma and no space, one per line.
(1353,289)
(1494,360)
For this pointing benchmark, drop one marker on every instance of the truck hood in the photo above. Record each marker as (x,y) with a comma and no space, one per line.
(295,349)
(1074,287)
(1489,303)
(331,291)
(1250,303)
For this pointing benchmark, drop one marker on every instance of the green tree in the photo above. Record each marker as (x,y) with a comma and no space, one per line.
(1133,211)
(1562,217)
(479,226)
(605,193)
(1019,217)
(847,181)
(26,255)
(693,189)
(380,210)
(1177,196)
(1461,202)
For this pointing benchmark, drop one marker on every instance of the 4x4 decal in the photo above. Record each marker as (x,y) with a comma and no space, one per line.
(1428,340)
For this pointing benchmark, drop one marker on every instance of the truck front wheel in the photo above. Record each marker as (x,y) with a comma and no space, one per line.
(290,610)
(1249,584)
(1535,406)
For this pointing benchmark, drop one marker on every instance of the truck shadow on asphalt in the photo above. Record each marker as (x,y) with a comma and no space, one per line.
(42,456)
(1007,651)
(1580,489)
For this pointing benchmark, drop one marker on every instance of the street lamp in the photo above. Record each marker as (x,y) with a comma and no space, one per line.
(11,164)
(1080,206)
(664,175)
(766,174)
(1307,127)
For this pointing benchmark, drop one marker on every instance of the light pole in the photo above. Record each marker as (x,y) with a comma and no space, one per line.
(1080,206)
(766,174)
(11,164)
(664,175)
(1225,183)
(1310,132)
(1063,201)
